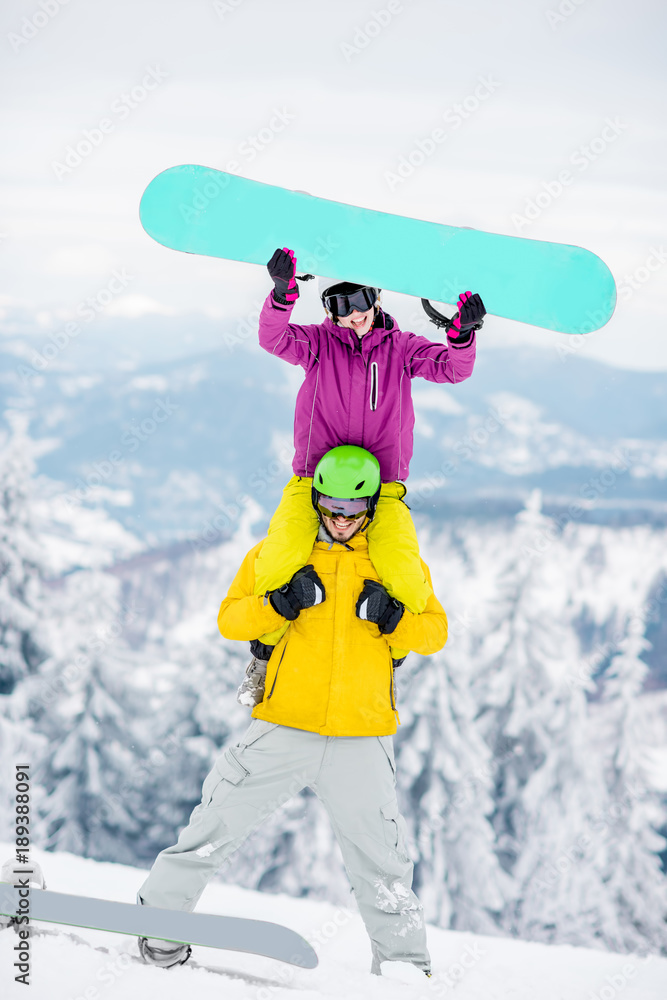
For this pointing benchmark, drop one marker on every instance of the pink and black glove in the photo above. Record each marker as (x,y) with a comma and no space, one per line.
(470,317)
(282,268)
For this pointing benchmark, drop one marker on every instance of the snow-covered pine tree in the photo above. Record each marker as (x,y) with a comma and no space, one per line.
(550,788)
(21,609)
(634,880)
(445,776)
(21,561)
(188,711)
(19,745)
(82,704)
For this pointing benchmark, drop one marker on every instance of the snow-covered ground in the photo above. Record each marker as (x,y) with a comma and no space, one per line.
(466,966)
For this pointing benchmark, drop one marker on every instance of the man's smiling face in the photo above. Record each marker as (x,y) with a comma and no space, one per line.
(343,528)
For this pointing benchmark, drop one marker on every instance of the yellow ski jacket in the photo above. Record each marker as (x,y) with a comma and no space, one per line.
(331,673)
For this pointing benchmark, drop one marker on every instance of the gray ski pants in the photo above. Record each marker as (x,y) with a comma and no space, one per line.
(354,777)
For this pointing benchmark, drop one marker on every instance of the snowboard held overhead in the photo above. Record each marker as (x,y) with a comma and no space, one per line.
(200,210)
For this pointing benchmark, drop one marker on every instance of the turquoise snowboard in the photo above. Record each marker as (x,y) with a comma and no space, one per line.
(205,211)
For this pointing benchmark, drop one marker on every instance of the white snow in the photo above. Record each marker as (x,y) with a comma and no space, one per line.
(467,966)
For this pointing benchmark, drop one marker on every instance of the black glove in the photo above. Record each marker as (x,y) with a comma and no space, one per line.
(282,268)
(470,317)
(375,605)
(304,590)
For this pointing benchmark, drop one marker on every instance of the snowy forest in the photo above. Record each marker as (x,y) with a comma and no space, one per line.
(530,753)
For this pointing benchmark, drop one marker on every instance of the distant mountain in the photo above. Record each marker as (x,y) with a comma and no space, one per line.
(172,448)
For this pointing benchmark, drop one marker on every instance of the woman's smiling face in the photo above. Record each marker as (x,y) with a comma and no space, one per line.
(360,322)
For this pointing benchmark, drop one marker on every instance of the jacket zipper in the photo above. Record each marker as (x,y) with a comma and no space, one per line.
(277,669)
(391,696)
(374,385)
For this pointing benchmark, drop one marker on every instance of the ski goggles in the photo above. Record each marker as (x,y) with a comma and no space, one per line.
(351,510)
(362,300)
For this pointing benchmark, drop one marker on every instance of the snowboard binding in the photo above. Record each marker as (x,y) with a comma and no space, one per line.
(440,320)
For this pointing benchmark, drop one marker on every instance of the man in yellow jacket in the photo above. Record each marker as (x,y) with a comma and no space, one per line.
(325,721)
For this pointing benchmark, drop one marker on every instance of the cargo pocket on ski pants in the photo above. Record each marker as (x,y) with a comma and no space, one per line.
(394,826)
(226,769)
(226,799)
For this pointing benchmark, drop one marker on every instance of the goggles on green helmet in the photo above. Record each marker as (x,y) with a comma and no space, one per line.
(346,481)
(343,299)
(334,507)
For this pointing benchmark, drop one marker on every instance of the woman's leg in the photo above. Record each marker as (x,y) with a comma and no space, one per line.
(393,549)
(292,534)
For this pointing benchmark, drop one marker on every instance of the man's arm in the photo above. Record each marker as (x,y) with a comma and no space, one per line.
(243,614)
(425,633)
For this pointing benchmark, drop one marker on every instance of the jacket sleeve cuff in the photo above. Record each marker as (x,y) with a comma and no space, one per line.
(247,618)
(278,302)
(465,340)
(403,633)
(268,616)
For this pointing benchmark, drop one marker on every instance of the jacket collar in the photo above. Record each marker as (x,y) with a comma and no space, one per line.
(358,541)
(383,327)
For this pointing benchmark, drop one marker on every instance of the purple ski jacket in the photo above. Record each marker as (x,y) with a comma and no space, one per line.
(358,391)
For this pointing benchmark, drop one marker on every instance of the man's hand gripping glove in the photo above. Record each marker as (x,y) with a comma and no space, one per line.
(282,268)
(375,605)
(304,590)
(470,317)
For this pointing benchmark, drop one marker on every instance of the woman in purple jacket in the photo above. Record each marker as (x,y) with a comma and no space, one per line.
(357,390)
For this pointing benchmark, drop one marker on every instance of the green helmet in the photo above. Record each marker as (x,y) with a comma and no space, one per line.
(348,473)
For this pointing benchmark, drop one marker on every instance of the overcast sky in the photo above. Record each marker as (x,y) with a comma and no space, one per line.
(545,86)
